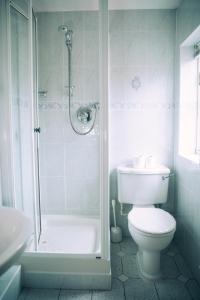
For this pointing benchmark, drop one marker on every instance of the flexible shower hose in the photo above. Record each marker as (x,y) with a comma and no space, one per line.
(69,95)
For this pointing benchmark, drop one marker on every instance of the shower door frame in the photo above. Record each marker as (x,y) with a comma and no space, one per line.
(104,126)
(42,269)
(103,174)
(28,17)
(38,225)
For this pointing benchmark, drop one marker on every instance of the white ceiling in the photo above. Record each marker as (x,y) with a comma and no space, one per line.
(78,5)
(144,4)
(64,5)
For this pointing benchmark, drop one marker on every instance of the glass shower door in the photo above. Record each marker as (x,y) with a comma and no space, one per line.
(36,126)
(21,113)
(19,94)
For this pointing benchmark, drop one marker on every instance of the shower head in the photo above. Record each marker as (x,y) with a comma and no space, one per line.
(63,28)
(68,35)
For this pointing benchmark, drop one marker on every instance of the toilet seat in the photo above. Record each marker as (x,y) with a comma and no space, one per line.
(151,220)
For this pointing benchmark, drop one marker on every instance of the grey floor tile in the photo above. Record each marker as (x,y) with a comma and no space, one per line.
(172,248)
(115,248)
(172,289)
(182,266)
(23,295)
(116,293)
(128,246)
(130,266)
(137,289)
(183,278)
(194,289)
(75,294)
(44,294)
(168,267)
(121,253)
(123,278)
(116,266)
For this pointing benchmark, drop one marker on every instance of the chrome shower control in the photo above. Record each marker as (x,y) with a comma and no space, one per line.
(84,114)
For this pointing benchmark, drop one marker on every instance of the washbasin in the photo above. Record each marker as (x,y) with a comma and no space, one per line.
(15,230)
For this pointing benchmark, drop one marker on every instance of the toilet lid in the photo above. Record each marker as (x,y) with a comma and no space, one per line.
(152,220)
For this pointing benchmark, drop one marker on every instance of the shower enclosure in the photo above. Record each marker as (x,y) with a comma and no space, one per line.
(58,136)
(68,130)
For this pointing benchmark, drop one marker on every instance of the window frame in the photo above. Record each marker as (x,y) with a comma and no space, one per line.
(197,147)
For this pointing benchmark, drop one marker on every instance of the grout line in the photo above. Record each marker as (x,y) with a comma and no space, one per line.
(123,284)
(124,290)
(156,291)
(180,273)
(121,258)
(185,284)
(59,293)
(120,245)
(122,265)
(188,291)
(27,294)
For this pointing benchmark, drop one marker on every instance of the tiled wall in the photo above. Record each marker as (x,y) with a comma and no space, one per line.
(141,90)
(187,173)
(69,164)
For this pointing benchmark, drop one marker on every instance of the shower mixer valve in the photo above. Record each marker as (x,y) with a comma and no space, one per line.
(84,113)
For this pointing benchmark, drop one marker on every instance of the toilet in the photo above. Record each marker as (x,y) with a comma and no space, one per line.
(151,228)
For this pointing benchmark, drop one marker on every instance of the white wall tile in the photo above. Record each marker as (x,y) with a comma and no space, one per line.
(51,159)
(83,196)
(91,21)
(141,90)
(69,164)
(82,160)
(55,195)
(52,123)
(116,44)
(136,48)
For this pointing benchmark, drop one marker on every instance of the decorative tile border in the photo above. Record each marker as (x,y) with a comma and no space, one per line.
(142,106)
(53,104)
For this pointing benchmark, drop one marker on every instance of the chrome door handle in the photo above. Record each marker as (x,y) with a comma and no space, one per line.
(37,130)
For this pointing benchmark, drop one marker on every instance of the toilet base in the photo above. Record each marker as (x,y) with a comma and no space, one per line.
(148,264)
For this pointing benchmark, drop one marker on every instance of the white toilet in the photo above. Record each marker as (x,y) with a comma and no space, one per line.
(151,228)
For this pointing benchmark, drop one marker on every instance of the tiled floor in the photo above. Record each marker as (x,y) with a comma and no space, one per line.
(177,282)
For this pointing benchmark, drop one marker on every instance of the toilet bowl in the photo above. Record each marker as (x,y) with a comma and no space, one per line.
(152,229)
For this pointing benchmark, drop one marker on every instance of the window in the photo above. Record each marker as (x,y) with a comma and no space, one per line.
(189,105)
(197,56)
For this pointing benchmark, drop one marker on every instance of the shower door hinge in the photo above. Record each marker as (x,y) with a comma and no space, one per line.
(37,130)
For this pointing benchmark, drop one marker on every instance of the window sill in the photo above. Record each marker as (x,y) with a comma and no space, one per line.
(194,158)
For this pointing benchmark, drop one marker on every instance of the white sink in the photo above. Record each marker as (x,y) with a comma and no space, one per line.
(15,230)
